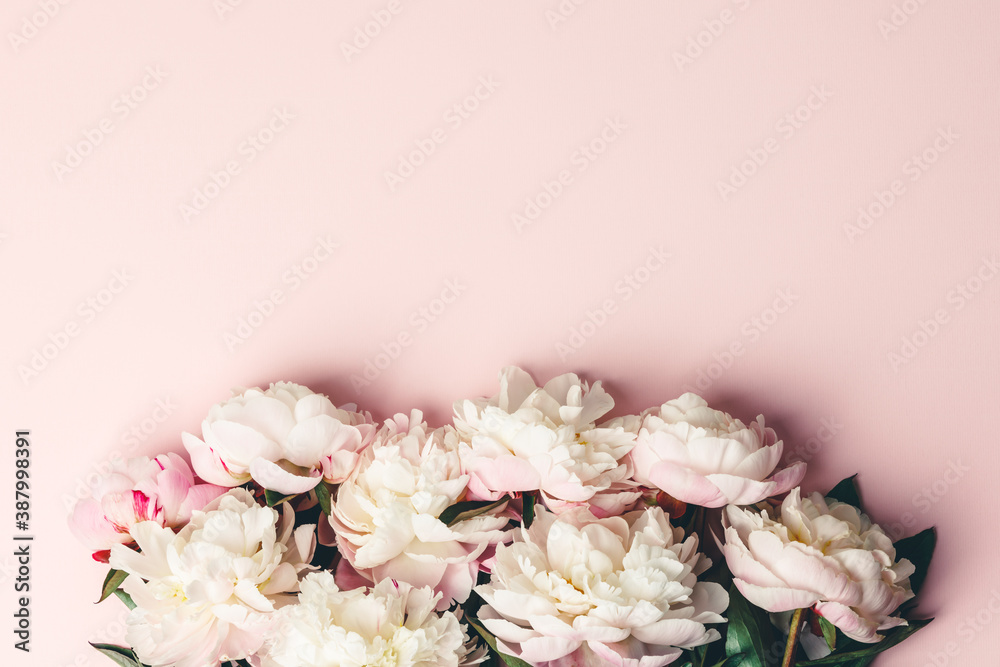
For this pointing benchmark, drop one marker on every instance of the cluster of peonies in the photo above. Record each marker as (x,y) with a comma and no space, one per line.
(534,527)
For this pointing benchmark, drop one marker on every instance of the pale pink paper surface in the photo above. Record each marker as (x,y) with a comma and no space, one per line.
(821,371)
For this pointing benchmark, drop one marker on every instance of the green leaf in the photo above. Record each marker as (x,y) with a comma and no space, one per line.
(125,597)
(847,492)
(491,641)
(829,632)
(273,498)
(731,661)
(918,549)
(323,496)
(112,582)
(892,637)
(528,515)
(749,632)
(468,509)
(118,654)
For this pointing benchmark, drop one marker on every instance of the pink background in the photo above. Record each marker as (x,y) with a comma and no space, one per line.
(886,81)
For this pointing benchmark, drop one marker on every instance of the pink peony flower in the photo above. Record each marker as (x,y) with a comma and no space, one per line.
(705,457)
(386,514)
(285,438)
(163,490)
(829,557)
(529,438)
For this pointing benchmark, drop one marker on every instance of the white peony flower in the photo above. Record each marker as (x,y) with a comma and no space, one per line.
(208,593)
(576,590)
(529,438)
(386,513)
(285,438)
(390,625)
(706,457)
(826,556)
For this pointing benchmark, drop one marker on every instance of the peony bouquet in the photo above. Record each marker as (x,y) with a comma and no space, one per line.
(533,530)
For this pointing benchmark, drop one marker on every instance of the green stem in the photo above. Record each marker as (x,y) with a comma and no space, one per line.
(793,638)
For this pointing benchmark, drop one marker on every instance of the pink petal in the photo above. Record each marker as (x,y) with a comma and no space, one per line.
(505,473)
(197,498)
(543,649)
(848,622)
(774,599)
(633,653)
(92,528)
(788,478)
(170,488)
(686,485)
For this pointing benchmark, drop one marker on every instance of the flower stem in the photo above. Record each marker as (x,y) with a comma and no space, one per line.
(793,638)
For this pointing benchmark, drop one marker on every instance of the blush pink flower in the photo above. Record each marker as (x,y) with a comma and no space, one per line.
(163,490)
(705,457)
(530,438)
(285,438)
(827,556)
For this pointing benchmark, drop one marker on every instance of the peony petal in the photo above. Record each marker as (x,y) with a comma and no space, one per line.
(89,524)
(685,485)
(197,498)
(273,477)
(775,599)
(848,621)
(543,649)
(505,473)
(319,437)
(679,632)
(208,465)
(759,464)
